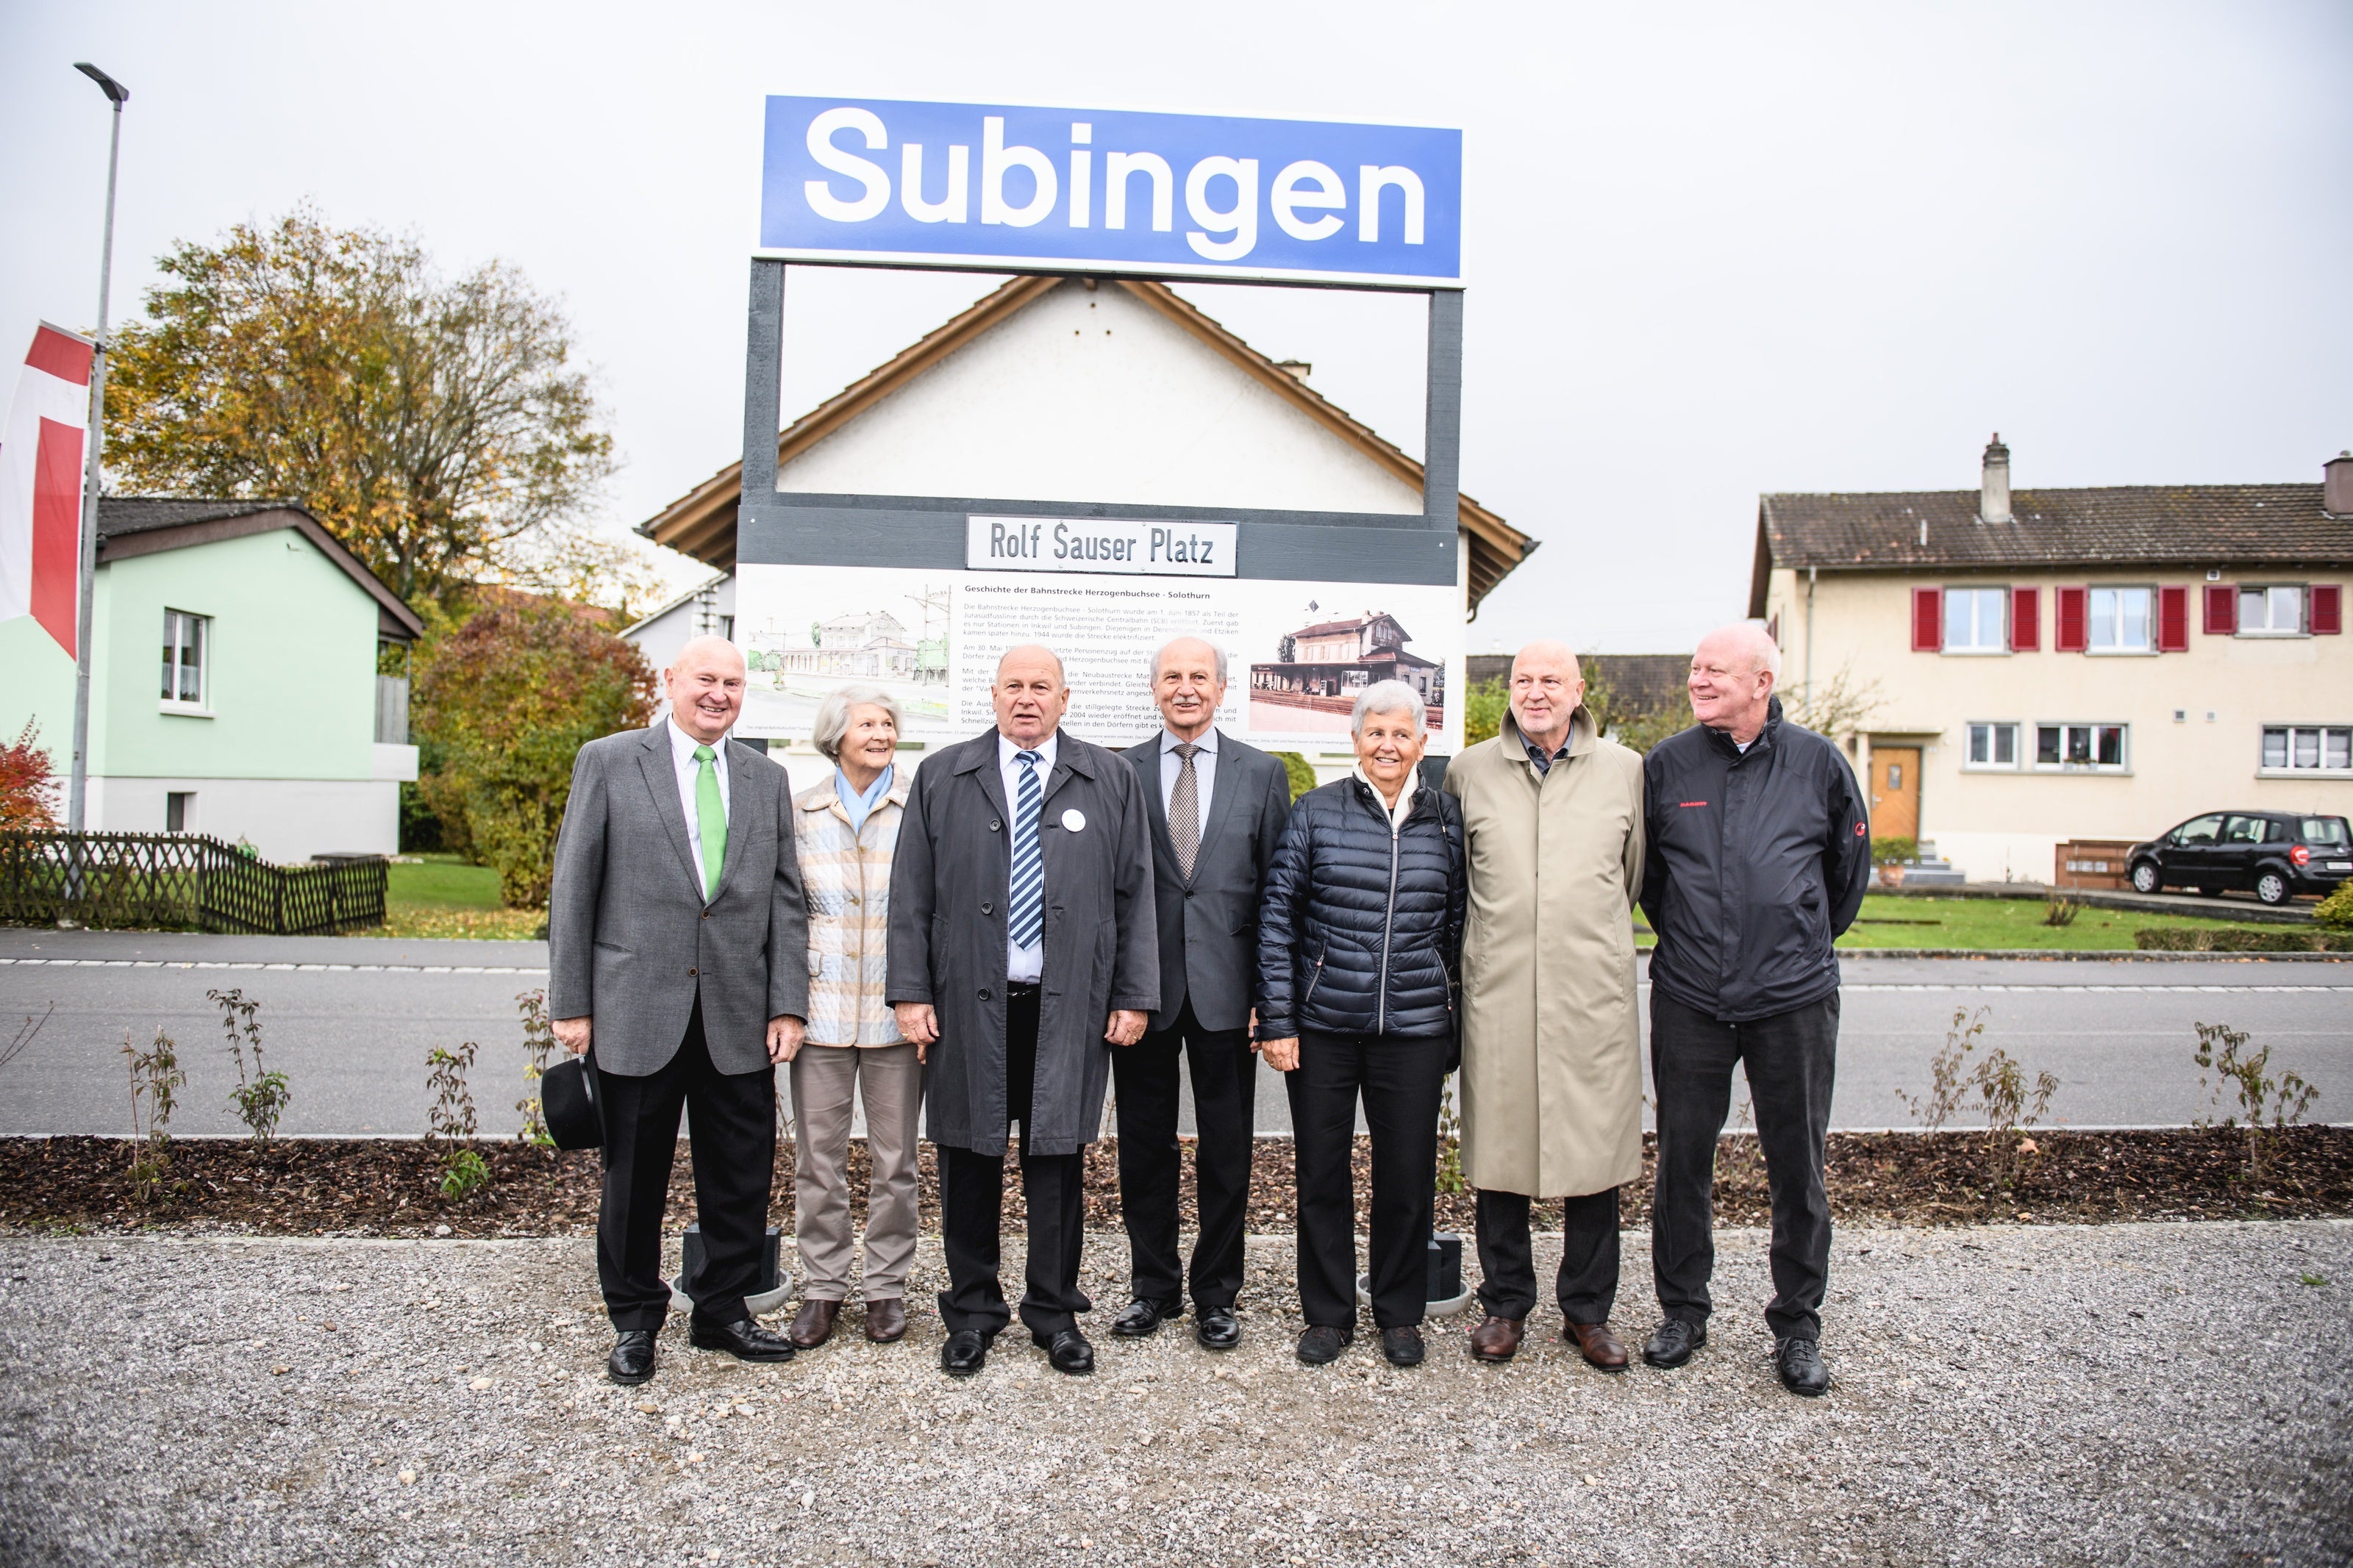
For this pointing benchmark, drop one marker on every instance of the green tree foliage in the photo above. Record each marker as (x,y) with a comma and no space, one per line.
(1489,700)
(1483,711)
(1298,769)
(503,701)
(435,424)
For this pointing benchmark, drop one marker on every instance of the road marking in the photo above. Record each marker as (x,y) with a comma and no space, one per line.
(257,964)
(1852,986)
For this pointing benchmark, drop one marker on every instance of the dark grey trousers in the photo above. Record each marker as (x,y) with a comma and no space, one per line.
(1587,1285)
(1790,1058)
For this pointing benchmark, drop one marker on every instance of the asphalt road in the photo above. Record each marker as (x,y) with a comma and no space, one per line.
(350,1021)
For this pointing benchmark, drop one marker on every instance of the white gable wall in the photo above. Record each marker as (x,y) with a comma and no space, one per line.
(1092,395)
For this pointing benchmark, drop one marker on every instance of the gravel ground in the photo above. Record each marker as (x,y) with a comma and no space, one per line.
(2139,1394)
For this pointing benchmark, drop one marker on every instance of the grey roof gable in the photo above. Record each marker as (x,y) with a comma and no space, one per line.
(144,525)
(2118,525)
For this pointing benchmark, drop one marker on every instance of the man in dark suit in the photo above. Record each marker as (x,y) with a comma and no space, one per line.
(1218,808)
(1021,941)
(677,938)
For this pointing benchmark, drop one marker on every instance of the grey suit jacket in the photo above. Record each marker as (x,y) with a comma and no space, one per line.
(631,943)
(1209,923)
(948,881)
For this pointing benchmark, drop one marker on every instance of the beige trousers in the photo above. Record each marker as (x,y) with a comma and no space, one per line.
(824,1079)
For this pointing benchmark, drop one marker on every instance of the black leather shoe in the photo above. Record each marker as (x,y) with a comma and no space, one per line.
(1068,1350)
(1322,1345)
(744,1340)
(1673,1344)
(1800,1363)
(633,1358)
(1141,1317)
(966,1352)
(1216,1328)
(1403,1345)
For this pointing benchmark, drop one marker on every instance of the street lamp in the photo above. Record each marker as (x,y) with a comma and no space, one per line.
(77,788)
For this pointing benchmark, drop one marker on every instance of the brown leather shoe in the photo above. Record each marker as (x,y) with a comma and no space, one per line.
(1496,1339)
(1597,1343)
(886,1321)
(813,1324)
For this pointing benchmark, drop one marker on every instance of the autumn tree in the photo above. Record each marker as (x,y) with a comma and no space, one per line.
(433,424)
(28,790)
(503,700)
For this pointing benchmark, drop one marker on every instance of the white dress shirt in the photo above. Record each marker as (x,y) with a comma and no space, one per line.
(1023,965)
(688,769)
(1205,772)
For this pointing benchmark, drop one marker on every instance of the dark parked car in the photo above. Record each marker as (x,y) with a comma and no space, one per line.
(2274,855)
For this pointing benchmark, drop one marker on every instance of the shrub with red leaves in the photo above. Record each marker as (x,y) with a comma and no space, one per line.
(28,790)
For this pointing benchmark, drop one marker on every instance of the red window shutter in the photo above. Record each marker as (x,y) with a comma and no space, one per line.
(2172,620)
(2071,635)
(2025,619)
(2327,609)
(2222,609)
(1928,620)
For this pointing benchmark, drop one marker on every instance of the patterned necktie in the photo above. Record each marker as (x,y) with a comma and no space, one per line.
(1028,889)
(710,820)
(1185,810)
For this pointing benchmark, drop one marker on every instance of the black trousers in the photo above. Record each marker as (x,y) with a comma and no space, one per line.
(1587,1286)
(1225,1093)
(1399,1079)
(1791,1059)
(734,1155)
(972,1198)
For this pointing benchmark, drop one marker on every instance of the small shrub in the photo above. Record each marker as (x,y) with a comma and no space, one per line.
(2000,1080)
(1484,707)
(451,1121)
(1894,851)
(539,1045)
(1299,771)
(2336,910)
(29,789)
(260,1097)
(156,1079)
(2062,911)
(1945,1083)
(2283,1100)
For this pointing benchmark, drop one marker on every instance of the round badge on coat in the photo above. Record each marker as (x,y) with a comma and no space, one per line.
(1074,820)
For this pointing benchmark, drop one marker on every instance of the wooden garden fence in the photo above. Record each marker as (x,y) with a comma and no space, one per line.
(181,880)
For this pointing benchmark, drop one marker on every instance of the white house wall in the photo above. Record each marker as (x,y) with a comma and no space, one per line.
(1094,395)
(285,820)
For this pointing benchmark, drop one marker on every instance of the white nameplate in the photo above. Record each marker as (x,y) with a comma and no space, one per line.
(1122,546)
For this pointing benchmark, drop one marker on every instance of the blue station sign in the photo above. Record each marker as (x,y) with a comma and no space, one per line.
(1061,190)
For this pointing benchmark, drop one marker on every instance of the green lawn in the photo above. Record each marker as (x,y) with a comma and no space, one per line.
(444,897)
(1888,921)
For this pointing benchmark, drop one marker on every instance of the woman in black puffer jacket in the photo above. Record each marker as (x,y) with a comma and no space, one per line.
(1360,941)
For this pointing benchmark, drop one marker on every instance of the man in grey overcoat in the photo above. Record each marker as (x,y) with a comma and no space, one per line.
(678,959)
(1022,948)
(1217,811)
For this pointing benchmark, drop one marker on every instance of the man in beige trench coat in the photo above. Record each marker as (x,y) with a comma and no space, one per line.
(1552,1045)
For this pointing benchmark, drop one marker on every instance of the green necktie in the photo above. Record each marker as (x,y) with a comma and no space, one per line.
(710,821)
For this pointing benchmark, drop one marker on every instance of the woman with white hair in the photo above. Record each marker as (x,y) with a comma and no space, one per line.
(1360,939)
(845,831)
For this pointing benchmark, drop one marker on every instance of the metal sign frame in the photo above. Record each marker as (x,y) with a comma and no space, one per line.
(778,527)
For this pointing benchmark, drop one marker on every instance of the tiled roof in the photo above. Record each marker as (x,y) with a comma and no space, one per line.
(137,514)
(2115,526)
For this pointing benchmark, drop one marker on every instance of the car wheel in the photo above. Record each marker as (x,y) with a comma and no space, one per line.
(2272,888)
(2145,877)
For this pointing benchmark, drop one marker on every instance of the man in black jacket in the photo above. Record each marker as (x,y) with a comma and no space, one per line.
(1759,850)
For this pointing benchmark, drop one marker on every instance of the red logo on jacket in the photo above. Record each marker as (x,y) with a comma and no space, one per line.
(1687,804)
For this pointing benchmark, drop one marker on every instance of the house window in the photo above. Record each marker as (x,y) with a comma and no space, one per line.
(188,639)
(2082,748)
(1973,621)
(2273,611)
(179,804)
(2119,620)
(2307,748)
(1993,746)
(727,627)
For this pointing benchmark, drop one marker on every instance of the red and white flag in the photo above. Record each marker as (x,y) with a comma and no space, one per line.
(40,483)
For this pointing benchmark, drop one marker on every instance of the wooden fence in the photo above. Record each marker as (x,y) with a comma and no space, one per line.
(181,880)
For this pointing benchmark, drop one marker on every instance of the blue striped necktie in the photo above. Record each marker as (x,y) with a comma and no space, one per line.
(1028,889)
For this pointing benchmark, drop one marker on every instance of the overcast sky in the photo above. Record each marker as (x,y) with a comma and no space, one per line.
(1712,251)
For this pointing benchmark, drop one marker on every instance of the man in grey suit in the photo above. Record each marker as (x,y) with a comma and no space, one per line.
(678,944)
(1218,808)
(1021,941)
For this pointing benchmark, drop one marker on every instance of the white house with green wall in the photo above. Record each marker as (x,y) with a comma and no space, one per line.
(233,681)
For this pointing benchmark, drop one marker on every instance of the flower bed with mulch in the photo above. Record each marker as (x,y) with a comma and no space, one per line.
(392,1187)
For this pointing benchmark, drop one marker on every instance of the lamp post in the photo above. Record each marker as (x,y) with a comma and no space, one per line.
(77,788)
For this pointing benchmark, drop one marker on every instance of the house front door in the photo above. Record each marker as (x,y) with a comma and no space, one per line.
(1895,792)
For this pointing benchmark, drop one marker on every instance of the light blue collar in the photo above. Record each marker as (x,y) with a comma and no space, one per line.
(861,806)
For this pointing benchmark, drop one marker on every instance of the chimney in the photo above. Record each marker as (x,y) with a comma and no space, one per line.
(1993,490)
(2337,485)
(1299,369)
